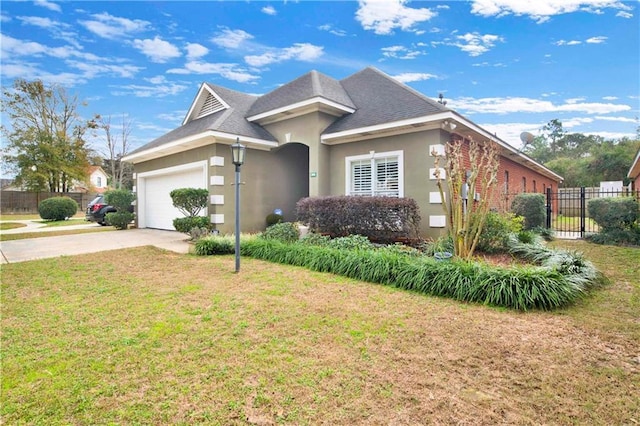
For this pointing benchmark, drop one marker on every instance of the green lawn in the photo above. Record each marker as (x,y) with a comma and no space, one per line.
(146,336)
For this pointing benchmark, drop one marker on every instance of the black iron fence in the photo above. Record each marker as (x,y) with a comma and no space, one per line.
(568,213)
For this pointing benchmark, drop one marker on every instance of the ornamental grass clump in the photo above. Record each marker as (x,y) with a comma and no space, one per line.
(559,280)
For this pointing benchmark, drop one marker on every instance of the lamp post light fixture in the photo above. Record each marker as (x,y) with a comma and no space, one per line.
(237,158)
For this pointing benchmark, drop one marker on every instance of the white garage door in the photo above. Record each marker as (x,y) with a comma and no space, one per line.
(158,207)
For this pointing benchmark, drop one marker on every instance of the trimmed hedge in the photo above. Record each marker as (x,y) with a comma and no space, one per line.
(531,207)
(186,224)
(614,212)
(190,201)
(121,199)
(119,220)
(545,287)
(57,208)
(381,219)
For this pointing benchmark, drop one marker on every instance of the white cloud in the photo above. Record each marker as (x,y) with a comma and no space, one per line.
(90,70)
(299,52)
(401,52)
(48,4)
(332,30)
(618,119)
(408,77)
(596,40)
(39,21)
(31,72)
(567,43)
(229,71)
(113,27)
(574,100)
(146,91)
(195,50)
(4,18)
(384,16)
(231,39)
(175,116)
(476,44)
(517,104)
(542,10)
(269,10)
(510,132)
(12,47)
(626,15)
(157,50)
(610,98)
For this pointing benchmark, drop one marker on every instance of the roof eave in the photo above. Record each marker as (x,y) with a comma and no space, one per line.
(196,141)
(317,103)
(435,121)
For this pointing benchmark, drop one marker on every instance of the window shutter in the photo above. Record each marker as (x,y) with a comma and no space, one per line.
(361,177)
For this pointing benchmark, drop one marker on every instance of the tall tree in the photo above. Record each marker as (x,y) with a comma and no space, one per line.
(116,146)
(45,142)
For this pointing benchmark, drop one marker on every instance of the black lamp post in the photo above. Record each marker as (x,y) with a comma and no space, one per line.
(237,158)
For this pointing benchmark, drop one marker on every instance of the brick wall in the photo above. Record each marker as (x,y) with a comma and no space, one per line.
(520,179)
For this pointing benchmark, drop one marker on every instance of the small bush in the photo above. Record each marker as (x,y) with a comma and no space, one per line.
(617,237)
(526,237)
(531,207)
(351,242)
(314,239)
(545,233)
(401,249)
(119,220)
(285,232)
(614,212)
(274,218)
(215,245)
(121,199)
(381,219)
(190,201)
(57,208)
(496,230)
(186,224)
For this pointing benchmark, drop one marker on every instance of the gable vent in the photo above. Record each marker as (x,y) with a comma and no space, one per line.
(210,105)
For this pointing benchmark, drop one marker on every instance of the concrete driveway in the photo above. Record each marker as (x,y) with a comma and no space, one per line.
(69,245)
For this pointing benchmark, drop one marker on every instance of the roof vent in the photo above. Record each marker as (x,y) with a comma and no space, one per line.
(211,104)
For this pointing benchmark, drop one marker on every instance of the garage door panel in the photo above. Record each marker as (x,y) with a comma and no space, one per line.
(159,211)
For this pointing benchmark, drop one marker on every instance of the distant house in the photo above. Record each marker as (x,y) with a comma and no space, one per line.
(634,173)
(97,181)
(367,134)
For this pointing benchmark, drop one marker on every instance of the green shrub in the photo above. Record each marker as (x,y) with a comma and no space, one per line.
(629,236)
(285,232)
(119,220)
(274,218)
(186,224)
(545,233)
(527,237)
(121,199)
(531,207)
(314,239)
(351,242)
(57,208)
(496,230)
(381,219)
(614,212)
(402,250)
(215,244)
(190,201)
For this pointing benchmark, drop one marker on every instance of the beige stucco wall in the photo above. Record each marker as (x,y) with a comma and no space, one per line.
(306,130)
(417,162)
(271,179)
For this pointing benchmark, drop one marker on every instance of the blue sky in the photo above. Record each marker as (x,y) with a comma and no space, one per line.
(508,65)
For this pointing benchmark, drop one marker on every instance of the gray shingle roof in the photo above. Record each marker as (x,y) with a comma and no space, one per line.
(308,86)
(381,99)
(231,120)
(376,97)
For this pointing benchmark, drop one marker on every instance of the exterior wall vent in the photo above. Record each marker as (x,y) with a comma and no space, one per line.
(211,104)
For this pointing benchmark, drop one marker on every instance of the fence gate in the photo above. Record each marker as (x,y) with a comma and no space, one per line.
(567,212)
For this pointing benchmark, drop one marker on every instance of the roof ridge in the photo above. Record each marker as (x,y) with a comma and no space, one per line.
(408,88)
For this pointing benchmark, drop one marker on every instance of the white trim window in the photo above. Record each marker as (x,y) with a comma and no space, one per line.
(375,174)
